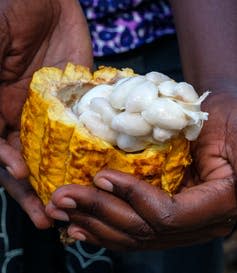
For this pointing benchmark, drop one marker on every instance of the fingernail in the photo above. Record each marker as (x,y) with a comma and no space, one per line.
(68,203)
(61,215)
(10,170)
(104,184)
(78,236)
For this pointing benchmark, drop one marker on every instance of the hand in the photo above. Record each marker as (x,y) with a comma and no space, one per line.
(45,33)
(33,34)
(127,213)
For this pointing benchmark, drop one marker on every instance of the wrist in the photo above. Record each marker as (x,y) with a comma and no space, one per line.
(217,85)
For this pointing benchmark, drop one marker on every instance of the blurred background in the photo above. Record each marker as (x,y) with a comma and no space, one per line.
(230,253)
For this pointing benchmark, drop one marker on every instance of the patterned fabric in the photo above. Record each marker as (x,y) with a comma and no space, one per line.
(24,249)
(118,26)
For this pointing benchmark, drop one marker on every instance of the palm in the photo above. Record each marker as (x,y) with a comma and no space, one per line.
(214,148)
(50,36)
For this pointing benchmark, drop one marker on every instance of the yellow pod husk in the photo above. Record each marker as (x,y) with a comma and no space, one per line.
(59,151)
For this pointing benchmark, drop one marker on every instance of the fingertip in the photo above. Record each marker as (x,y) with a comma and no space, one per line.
(114,175)
(11,171)
(38,215)
(66,191)
(42,222)
(74,228)
(104,184)
(18,170)
(67,202)
(64,202)
(56,196)
(76,232)
(55,213)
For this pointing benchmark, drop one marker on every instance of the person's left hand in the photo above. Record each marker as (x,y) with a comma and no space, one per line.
(43,33)
(32,34)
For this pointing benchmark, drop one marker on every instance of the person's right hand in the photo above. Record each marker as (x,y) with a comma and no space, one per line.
(126,213)
(32,35)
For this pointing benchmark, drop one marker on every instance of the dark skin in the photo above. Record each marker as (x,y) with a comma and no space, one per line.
(32,35)
(123,212)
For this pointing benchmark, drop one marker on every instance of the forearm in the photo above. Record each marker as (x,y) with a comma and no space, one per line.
(76,23)
(207,34)
(48,32)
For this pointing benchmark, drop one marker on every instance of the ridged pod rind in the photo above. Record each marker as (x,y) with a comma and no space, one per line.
(58,150)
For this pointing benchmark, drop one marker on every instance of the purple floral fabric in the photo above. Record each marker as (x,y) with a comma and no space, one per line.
(117,26)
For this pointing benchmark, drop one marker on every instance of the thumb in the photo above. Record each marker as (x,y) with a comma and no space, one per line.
(125,186)
(115,181)
(12,159)
(202,204)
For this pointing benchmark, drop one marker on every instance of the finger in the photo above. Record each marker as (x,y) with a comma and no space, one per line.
(114,211)
(12,159)
(208,203)
(13,140)
(142,197)
(78,233)
(23,193)
(96,231)
(55,213)
(197,206)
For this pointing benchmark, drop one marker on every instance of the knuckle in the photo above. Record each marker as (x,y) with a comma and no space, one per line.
(94,208)
(168,221)
(166,218)
(95,205)
(129,192)
(136,226)
(144,231)
(86,222)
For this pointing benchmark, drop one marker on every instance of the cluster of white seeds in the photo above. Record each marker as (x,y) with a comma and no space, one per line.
(141,110)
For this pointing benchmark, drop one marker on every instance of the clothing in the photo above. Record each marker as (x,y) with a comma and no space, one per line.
(161,55)
(118,26)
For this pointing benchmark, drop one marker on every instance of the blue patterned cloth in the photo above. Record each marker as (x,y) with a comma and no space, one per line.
(118,26)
